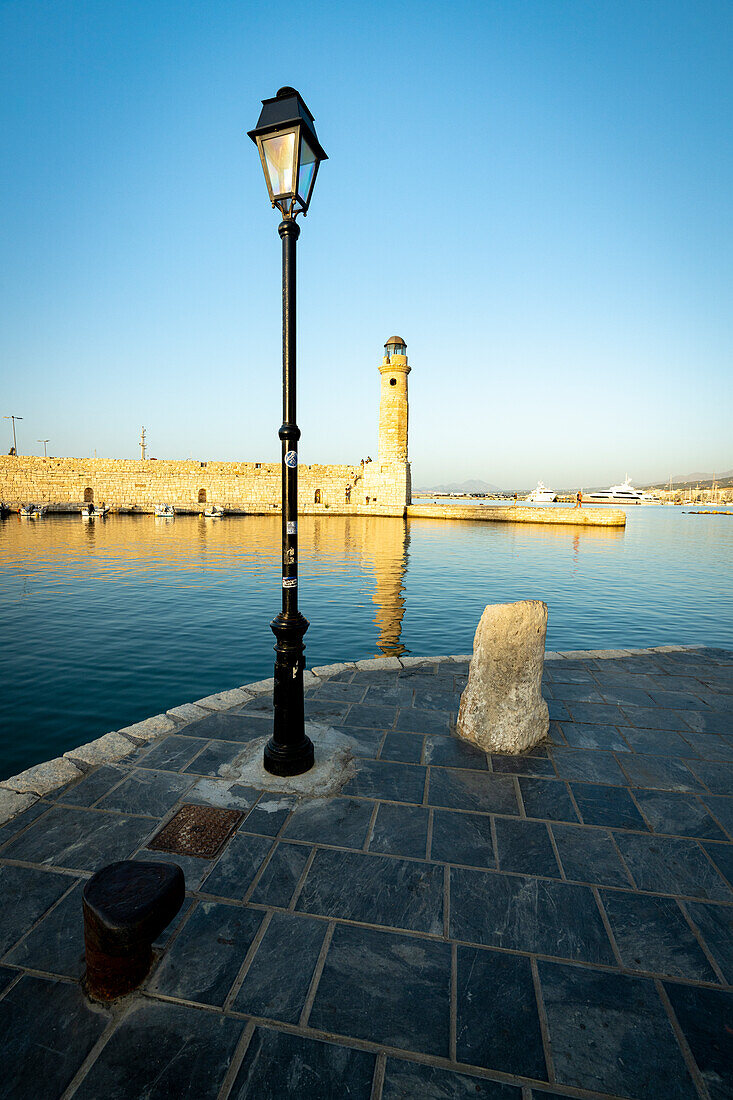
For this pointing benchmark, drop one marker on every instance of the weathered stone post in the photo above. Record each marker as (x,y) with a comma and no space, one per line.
(502,709)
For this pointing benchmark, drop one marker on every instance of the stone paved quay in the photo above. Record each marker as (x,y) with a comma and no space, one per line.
(447,925)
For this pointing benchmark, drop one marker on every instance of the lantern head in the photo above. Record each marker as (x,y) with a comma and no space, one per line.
(289,151)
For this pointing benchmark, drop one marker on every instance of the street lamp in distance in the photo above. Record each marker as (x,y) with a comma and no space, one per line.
(290,154)
(13,418)
(44,442)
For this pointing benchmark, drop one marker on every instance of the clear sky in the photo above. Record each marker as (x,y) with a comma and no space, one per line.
(535,195)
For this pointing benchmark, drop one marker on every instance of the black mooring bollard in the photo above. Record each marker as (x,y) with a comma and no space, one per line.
(126,906)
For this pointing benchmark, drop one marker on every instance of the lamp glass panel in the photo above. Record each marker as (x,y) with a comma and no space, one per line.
(308,165)
(279,154)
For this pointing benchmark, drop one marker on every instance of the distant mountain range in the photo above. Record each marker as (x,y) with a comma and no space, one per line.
(473,485)
(476,485)
(683,479)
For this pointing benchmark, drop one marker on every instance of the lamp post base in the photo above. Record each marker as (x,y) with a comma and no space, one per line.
(289,751)
(287,760)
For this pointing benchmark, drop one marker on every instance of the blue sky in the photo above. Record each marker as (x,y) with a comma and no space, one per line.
(535,195)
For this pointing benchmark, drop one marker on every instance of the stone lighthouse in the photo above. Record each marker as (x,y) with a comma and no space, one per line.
(393,409)
(388,480)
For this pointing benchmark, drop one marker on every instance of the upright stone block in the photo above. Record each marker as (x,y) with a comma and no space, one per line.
(502,709)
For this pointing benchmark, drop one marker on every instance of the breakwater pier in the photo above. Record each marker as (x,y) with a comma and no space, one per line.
(444,922)
(511,513)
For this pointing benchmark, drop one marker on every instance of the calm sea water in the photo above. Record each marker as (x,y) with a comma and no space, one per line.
(105,623)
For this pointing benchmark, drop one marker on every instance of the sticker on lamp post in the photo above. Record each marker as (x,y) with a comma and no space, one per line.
(291,459)
(292,527)
(290,582)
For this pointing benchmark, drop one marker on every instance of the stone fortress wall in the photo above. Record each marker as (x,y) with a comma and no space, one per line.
(64,484)
(375,488)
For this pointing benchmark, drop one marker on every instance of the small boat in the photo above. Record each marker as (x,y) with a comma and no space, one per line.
(89,511)
(215,512)
(542,495)
(32,511)
(164,511)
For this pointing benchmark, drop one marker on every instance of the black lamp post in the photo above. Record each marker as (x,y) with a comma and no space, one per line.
(290,155)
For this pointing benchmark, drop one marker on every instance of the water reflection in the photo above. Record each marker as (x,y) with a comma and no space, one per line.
(390,570)
(107,622)
(381,544)
(146,548)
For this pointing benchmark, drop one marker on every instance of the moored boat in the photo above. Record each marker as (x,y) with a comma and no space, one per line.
(164,511)
(215,512)
(620,494)
(542,495)
(89,511)
(32,511)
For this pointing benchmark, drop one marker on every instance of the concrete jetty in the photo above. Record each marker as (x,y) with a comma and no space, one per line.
(443,922)
(512,513)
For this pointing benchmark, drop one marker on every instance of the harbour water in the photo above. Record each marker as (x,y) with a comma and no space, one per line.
(105,623)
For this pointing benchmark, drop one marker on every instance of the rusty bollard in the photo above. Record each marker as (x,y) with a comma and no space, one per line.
(126,906)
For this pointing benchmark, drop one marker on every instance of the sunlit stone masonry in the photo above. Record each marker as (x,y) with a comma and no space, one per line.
(381,487)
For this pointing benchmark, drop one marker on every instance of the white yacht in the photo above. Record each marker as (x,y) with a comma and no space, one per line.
(620,494)
(165,511)
(542,495)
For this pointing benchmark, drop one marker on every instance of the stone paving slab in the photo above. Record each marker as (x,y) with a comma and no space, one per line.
(12,803)
(42,778)
(105,750)
(447,924)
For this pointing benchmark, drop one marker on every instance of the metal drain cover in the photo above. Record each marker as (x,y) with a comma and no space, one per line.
(196,831)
